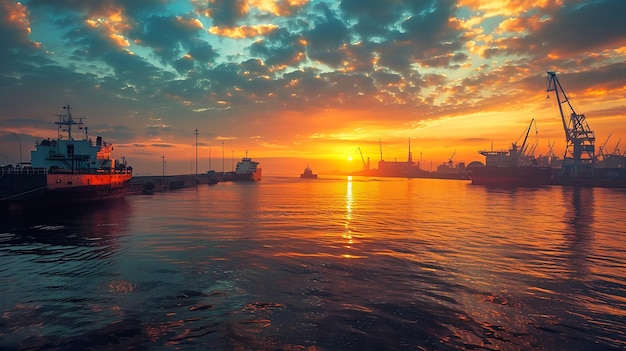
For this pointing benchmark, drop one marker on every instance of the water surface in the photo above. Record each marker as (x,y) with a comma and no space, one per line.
(325,264)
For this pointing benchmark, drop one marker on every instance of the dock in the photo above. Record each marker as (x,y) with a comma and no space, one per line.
(153,184)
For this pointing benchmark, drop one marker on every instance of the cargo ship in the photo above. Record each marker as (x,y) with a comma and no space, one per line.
(247,170)
(397,169)
(65,170)
(448,170)
(510,176)
(510,167)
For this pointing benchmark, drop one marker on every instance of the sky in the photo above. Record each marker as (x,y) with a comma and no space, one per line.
(330,84)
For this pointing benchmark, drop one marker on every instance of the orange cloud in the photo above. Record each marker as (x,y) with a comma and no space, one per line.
(277,7)
(17,14)
(243,31)
(113,24)
(493,8)
(190,22)
(519,24)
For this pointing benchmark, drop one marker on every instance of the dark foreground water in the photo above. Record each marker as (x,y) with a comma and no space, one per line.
(327,264)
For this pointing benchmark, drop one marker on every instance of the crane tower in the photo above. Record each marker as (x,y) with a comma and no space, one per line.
(579,155)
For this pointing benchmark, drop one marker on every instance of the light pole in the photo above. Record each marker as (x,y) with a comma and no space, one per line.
(222,157)
(163,174)
(20,139)
(196,133)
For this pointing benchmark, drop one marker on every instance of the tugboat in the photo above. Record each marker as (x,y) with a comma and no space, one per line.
(308,173)
(247,169)
(510,168)
(66,170)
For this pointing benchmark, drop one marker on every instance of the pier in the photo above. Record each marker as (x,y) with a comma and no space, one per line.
(151,184)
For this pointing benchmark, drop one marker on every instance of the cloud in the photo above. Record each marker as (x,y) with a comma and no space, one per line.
(328,64)
(169,37)
(280,48)
(325,38)
(243,31)
(226,12)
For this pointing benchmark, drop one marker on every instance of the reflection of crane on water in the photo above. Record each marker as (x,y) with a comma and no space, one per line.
(579,155)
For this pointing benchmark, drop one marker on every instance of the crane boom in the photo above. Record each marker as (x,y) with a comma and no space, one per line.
(579,158)
(451,157)
(365,167)
(524,146)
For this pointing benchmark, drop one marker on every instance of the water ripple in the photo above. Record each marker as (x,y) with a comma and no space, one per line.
(332,264)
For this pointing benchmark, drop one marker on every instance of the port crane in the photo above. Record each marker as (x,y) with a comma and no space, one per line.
(579,158)
(603,147)
(524,146)
(551,149)
(365,166)
(451,157)
(616,150)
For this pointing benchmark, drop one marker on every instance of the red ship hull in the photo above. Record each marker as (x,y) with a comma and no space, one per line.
(52,188)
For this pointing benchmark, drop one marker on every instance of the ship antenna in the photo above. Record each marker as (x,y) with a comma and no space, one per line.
(69,120)
(66,120)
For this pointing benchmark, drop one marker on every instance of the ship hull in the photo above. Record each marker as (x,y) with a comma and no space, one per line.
(62,189)
(602,177)
(249,176)
(510,176)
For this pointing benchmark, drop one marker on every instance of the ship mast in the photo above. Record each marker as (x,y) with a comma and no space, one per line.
(67,120)
(579,155)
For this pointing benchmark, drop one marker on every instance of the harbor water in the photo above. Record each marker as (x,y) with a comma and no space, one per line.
(334,263)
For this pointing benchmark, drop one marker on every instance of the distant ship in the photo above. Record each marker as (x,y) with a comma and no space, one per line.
(402,169)
(66,170)
(308,173)
(247,169)
(510,168)
(448,170)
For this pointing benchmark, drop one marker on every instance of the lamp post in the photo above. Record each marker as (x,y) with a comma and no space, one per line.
(163,174)
(196,133)
(20,139)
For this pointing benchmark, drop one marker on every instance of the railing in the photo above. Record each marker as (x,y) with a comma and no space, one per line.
(31,170)
(22,170)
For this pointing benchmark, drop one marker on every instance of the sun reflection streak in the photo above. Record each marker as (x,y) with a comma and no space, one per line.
(348,233)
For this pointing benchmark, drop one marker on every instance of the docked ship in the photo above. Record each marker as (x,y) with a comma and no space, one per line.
(66,170)
(308,173)
(448,170)
(247,169)
(510,167)
(398,169)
